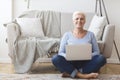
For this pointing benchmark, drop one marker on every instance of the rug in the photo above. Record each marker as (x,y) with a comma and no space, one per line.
(51,77)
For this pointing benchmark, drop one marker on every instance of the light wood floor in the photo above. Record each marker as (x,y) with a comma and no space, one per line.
(111,69)
(49,68)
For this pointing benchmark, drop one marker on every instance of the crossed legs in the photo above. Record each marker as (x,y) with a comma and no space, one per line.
(79,69)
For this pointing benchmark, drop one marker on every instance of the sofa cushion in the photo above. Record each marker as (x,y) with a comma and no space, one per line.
(30,27)
(97,25)
(51,24)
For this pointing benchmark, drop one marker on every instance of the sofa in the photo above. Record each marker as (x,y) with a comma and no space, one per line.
(25,49)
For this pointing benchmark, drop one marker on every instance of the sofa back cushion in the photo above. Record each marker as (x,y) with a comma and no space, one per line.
(51,24)
(97,25)
(30,27)
(50,21)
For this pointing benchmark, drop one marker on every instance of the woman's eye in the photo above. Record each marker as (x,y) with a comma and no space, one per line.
(77,18)
(82,18)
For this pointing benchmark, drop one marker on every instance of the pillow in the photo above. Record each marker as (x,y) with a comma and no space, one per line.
(97,25)
(30,27)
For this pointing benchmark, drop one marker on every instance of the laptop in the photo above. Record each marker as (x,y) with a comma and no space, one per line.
(79,52)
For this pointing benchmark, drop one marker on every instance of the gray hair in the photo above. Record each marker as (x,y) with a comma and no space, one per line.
(79,13)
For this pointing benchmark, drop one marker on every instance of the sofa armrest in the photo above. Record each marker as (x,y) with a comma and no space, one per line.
(108,38)
(101,46)
(13,33)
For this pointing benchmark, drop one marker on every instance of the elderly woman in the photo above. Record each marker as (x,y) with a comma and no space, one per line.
(85,69)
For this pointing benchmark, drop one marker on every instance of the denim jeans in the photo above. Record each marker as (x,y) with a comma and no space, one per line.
(72,67)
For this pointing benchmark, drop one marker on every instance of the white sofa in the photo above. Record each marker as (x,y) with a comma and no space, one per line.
(64,23)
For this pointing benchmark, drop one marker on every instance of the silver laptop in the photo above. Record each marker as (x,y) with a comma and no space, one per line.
(79,52)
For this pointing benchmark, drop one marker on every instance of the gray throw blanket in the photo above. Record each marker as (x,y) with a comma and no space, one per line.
(25,50)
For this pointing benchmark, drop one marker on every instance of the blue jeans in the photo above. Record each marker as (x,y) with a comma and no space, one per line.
(72,67)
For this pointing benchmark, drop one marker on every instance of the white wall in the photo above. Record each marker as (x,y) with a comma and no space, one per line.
(5,16)
(112,7)
(113,11)
(63,5)
(57,5)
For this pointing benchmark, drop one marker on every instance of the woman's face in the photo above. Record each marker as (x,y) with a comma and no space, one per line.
(79,20)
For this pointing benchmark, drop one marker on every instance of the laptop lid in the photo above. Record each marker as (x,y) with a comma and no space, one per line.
(79,52)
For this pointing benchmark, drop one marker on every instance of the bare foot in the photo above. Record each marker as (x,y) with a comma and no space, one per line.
(65,75)
(87,76)
(91,75)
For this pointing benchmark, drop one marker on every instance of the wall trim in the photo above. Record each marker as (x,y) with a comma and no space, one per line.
(5,60)
(8,60)
(113,61)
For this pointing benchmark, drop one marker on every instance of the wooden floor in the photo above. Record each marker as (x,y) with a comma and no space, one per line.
(111,69)
(49,68)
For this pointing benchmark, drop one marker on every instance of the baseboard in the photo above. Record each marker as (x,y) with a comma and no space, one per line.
(116,61)
(43,60)
(5,60)
(8,60)
(113,61)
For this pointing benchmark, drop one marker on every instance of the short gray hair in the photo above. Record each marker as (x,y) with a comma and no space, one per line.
(78,12)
